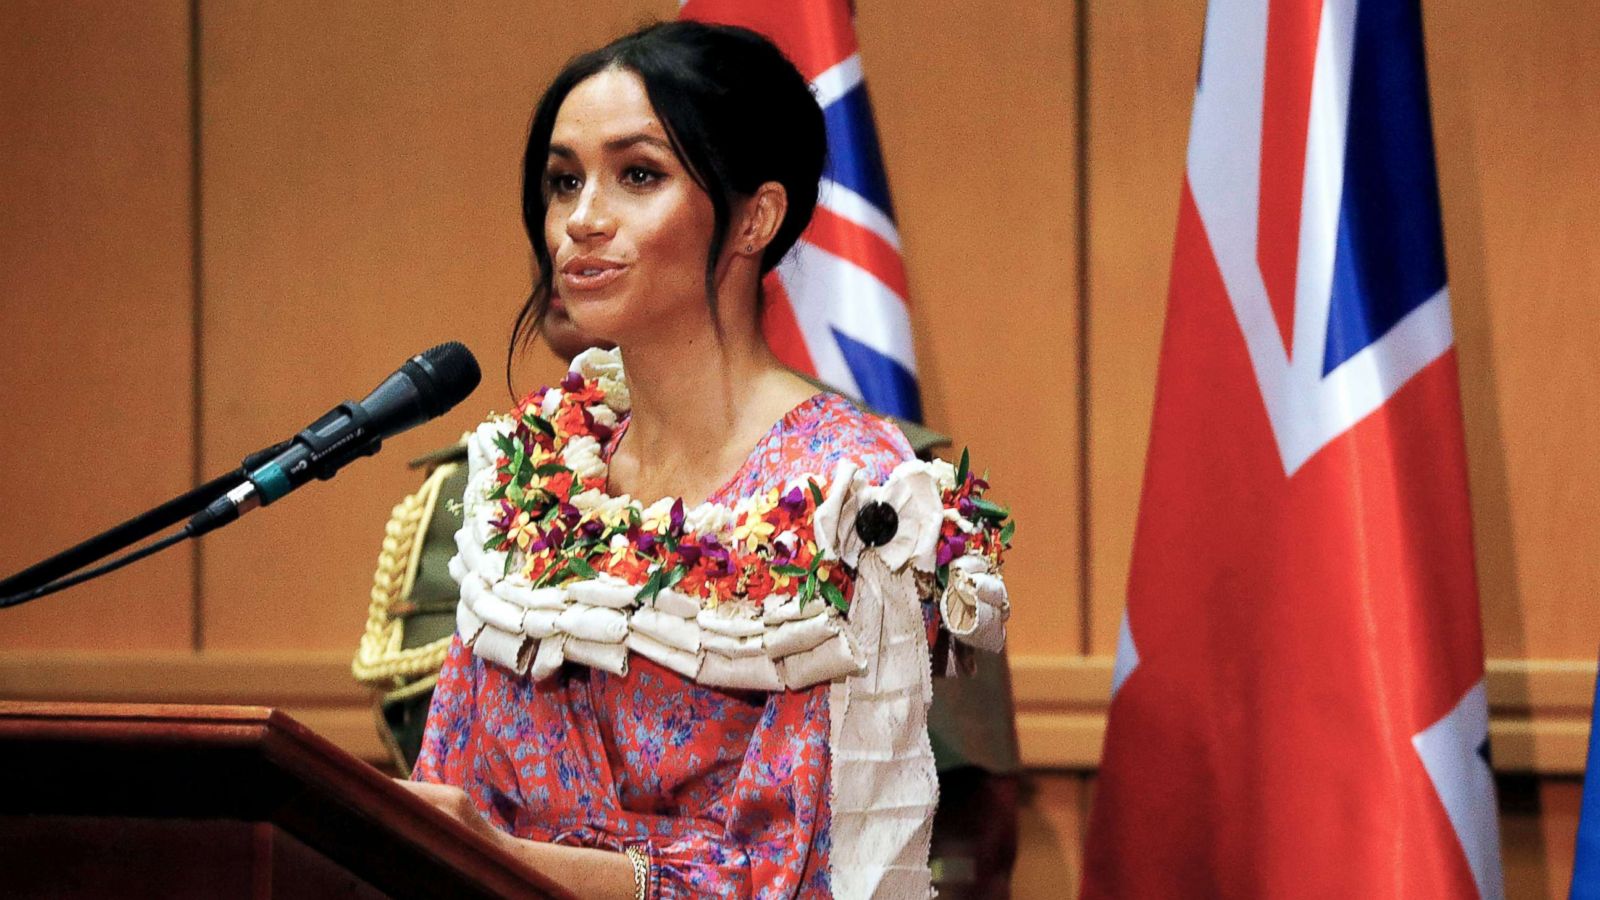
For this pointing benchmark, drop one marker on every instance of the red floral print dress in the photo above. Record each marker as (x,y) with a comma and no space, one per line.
(727,791)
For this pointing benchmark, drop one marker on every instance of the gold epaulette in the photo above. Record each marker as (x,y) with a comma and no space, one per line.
(382,661)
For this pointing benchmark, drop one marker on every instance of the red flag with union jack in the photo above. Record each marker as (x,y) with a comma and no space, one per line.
(836,306)
(1298,703)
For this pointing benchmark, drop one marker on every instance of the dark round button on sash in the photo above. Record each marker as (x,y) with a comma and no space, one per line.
(877,523)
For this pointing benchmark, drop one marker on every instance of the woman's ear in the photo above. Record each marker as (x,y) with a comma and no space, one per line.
(762,217)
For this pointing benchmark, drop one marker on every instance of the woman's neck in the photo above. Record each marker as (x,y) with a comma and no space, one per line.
(692,384)
(698,406)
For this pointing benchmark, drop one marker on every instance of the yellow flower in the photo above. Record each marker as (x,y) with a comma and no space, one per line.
(752,530)
(522,530)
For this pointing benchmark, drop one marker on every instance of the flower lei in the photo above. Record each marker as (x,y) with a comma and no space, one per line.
(751,596)
(555,523)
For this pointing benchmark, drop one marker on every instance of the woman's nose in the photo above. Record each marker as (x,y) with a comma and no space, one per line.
(589,218)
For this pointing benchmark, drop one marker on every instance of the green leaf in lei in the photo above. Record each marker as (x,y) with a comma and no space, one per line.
(1006,533)
(505,445)
(652,587)
(581,567)
(963,469)
(553,575)
(551,468)
(808,589)
(537,423)
(835,597)
(791,571)
(816,490)
(518,457)
(990,510)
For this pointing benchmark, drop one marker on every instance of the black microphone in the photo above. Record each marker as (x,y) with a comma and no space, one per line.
(425,387)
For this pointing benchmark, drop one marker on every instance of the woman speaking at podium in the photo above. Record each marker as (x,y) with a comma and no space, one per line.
(698,597)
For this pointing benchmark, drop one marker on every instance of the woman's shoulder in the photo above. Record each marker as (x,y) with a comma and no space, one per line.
(817,435)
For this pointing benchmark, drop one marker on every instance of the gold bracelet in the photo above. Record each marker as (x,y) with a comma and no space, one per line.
(641,871)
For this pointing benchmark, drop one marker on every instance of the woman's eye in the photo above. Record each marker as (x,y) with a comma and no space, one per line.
(638,176)
(561,183)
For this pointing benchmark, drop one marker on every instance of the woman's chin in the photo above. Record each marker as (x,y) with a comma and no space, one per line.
(601,317)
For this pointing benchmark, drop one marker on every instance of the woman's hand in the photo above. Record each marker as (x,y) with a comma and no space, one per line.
(603,873)
(455,803)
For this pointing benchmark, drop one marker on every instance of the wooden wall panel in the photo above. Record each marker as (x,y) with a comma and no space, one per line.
(1517,122)
(1141,66)
(95,309)
(362,165)
(987,206)
(1538,829)
(1050,835)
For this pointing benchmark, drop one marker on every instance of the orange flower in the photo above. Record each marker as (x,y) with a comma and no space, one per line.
(560,484)
(693,582)
(758,581)
(571,419)
(587,395)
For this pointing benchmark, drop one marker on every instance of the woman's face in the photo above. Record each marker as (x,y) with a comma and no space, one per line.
(627,227)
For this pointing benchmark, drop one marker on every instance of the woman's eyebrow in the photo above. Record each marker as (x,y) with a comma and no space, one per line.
(614,145)
(623,143)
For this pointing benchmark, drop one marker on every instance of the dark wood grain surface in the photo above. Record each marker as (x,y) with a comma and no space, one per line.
(153,785)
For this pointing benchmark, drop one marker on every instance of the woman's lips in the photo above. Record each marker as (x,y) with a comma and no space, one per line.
(591,278)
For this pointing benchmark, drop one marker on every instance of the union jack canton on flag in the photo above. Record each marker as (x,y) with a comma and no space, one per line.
(1298,704)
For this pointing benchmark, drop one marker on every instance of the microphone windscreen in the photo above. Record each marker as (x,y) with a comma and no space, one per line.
(451,374)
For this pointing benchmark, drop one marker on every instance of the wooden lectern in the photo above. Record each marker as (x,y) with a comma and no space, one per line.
(123,800)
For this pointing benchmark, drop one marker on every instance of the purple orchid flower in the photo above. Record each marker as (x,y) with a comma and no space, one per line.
(548,540)
(712,549)
(591,529)
(573,382)
(794,502)
(949,548)
(507,517)
(675,518)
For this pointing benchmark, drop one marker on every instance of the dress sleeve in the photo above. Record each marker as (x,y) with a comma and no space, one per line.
(767,837)
(445,736)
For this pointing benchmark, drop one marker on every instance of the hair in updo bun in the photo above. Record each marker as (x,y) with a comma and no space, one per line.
(737,113)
